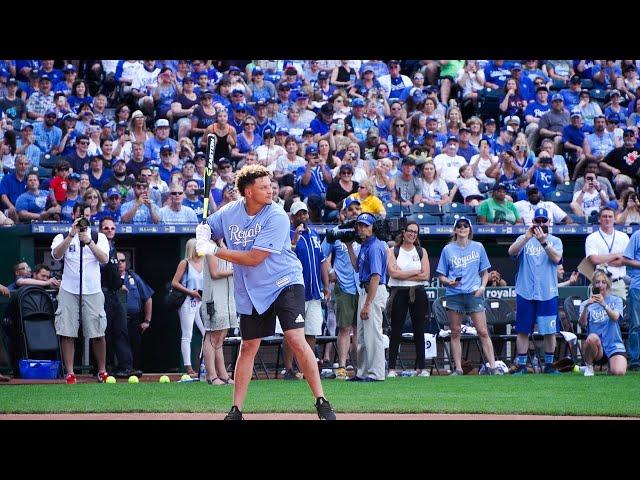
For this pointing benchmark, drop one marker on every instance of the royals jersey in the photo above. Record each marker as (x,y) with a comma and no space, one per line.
(268,230)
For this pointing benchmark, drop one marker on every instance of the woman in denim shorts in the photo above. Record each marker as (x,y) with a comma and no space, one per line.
(464,270)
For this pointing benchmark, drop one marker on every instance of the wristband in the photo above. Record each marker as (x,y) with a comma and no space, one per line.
(544,245)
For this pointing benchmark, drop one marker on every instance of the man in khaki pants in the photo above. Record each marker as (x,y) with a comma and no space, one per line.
(371,265)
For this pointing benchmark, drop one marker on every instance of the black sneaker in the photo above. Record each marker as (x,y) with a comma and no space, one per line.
(291,375)
(325,412)
(234,414)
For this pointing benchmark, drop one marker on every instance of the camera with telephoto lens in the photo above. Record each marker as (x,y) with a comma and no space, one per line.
(83,224)
(384,229)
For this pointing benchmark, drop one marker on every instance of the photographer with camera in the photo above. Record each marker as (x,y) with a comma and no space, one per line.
(630,208)
(590,198)
(371,265)
(601,315)
(345,291)
(539,254)
(83,253)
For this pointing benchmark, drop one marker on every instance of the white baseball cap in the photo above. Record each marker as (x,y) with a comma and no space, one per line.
(297,206)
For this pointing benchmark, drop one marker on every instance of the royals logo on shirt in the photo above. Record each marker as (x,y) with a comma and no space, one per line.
(243,236)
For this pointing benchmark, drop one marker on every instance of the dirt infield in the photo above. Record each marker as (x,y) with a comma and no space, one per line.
(293,416)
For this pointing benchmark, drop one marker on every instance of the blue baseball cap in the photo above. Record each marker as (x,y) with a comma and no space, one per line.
(69,68)
(462,219)
(557,97)
(74,176)
(357,102)
(516,66)
(257,71)
(366,218)
(311,150)
(51,113)
(452,138)
(614,117)
(541,213)
(236,92)
(348,201)
(166,148)
(240,106)
(112,192)
(267,132)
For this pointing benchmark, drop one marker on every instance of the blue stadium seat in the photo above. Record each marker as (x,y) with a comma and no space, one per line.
(426,208)
(579,219)
(457,208)
(396,210)
(484,187)
(560,196)
(565,187)
(424,219)
(449,218)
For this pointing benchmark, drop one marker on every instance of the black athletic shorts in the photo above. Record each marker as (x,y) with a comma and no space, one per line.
(288,307)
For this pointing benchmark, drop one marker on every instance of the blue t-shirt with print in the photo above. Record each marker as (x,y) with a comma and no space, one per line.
(467,262)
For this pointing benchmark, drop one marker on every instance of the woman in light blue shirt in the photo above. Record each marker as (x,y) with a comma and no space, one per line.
(464,271)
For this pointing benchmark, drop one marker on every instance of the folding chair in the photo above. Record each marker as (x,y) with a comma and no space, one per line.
(571,308)
(500,318)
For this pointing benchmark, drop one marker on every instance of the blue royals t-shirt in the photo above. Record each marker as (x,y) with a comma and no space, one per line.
(268,230)
(466,262)
(537,277)
(600,323)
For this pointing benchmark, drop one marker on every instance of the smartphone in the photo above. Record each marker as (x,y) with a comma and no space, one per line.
(595,291)
(458,279)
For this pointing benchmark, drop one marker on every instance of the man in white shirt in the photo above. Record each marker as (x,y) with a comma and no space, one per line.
(533,202)
(449,162)
(94,318)
(175,212)
(606,246)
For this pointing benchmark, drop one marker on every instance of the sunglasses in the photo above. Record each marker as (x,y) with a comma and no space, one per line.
(463,225)
(540,220)
(108,228)
(83,143)
(346,173)
(362,186)
(399,124)
(176,194)
(415,232)
(121,260)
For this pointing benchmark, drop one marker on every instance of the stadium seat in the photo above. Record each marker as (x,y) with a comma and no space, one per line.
(565,187)
(579,219)
(489,103)
(49,161)
(424,219)
(449,218)
(484,187)
(586,83)
(560,196)
(598,95)
(396,210)
(460,208)
(426,208)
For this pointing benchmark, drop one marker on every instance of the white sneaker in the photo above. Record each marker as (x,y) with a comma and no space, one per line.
(424,373)
(392,374)
(588,370)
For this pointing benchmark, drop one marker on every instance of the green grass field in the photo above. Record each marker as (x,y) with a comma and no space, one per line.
(569,394)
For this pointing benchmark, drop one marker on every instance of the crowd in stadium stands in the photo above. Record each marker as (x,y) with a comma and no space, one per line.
(122,134)
(493,140)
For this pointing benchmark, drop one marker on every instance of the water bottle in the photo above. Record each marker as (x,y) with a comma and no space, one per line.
(203,372)
(536,364)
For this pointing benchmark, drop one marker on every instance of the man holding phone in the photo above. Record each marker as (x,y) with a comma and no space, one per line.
(142,209)
(538,254)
